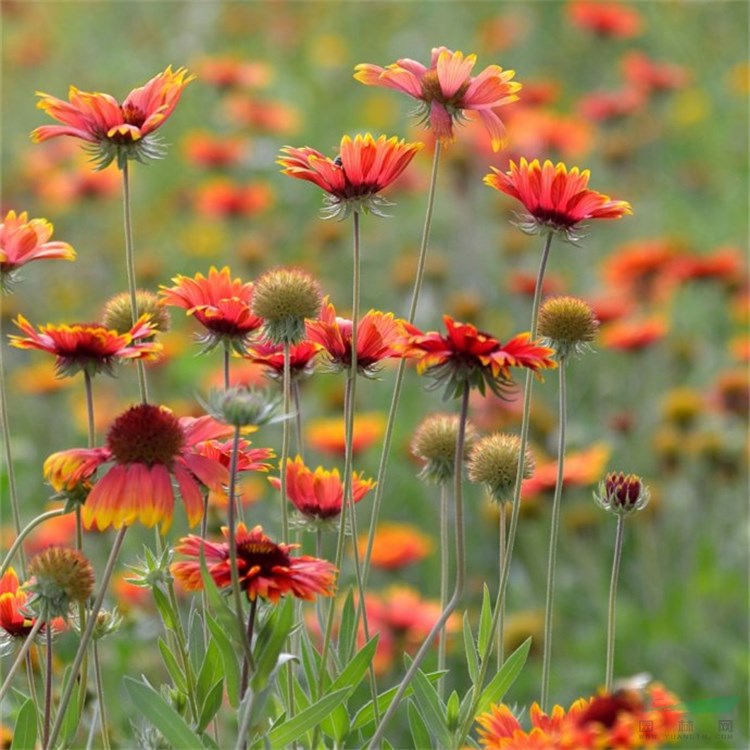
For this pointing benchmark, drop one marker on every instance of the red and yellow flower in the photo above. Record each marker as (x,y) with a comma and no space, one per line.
(265,569)
(327,435)
(318,495)
(607,19)
(447,90)
(396,545)
(466,357)
(89,347)
(22,241)
(221,304)
(556,199)
(146,448)
(353,179)
(271,356)
(634,335)
(379,336)
(116,130)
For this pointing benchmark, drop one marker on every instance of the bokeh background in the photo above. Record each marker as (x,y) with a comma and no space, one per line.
(665,395)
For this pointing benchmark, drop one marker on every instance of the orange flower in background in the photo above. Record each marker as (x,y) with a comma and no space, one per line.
(379,336)
(318,495)
(88,347)
(605,106)
(634,335)
(539,131)
(58,531)
(643,73)
(22,241)
(221,198)
(266,569)
(353,179)
(606,19)
(627,718)
(204,149)
(227,71)
(221,304)
(581,469)
(467,357)
(327,435)
(266,115)
(271,356)
(447,90)
(556,200)
(396,545)
(116,131)
(727,265)
(146,448)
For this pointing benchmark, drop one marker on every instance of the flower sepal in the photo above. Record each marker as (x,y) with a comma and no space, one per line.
(122,147)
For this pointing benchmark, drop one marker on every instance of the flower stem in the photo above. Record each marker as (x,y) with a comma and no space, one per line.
(388,436)
(18,541)
(226,367)
(8,455)
(100,698)
(47,684)
(245,662)
(286,385)
(516,507)
(502,544)
(233,545)
(27,644)
(444,572)
(86,637)
(612,603)
(298,419)
(460,577)
(130,267)
(555,526)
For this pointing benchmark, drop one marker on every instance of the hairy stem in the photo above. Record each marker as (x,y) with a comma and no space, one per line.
(612,604)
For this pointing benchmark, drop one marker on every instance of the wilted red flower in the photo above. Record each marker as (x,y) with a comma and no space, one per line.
(447,90)
(556,200)
(379,336)
(606,18)
(146,447)
(271,356)
(396,545)
(265,569)
(22,241)
(353,179)
(122,131)
(222,197)
(466,357)
(221,304)
(328,435)
(646,74)
(626,718)
(88,347)
(318,495)
(633,335)
(581,468)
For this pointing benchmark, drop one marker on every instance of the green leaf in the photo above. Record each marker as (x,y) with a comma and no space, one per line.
(174,669)
(485,620)
(419,731)
(452,708)
(348,629)
(336,724)
(165,609)
(472,662)
(366,714)
(229,659)
(431,707)
(70,720)
(211,670)
(310,659)
(270,642)
(159,713)
(24,733)
(291,731)
(501,682)
(356,669)
(224,613)
(211,704)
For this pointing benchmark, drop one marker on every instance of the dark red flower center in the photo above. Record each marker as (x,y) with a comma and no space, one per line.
(432,91)
(133,115)
(145,434)
(263,554)
(605,709)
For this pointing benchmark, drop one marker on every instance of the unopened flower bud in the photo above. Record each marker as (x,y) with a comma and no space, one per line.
(622,494)
(242,407)
(118,311)
(434,444)
(494,463)
(567,324)
(61,577)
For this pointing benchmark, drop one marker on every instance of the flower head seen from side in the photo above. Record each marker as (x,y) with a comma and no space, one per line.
(266,569)
(379,336)
(221,304)
(114,130)
(147,447)
(433,444)
(89,347)
(302,357)
(353,180)
(14,623)
(318,494)
(555,199)
(622,494)
(467,357)
(446,90)
(23,240)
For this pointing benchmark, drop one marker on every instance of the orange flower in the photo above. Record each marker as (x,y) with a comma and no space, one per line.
(556,200)
(466,357)
(227,71)
(379,336)
(643,73)
(204,149)
(266,569)
(396,545)
(147,446)
(581,468)
(447,90)
(634,335)
(116,131)
(604,106)
(221,198)
(606,19)
(725,264)
(538,131)
(318,494)
(271,356)
(88,347)
(327,435)
(222,305)
(353,179)
(22,241)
